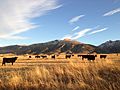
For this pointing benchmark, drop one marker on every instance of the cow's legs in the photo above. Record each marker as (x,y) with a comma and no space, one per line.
(3,64)
(82,58)
(12,63)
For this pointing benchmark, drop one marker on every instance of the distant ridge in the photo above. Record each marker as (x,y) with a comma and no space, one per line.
(109,47)
(62,46)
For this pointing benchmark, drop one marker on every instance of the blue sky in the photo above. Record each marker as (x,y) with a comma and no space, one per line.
(34,21)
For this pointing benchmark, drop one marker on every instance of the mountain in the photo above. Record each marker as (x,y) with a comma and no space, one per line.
(109,47)
(57,46)
(62,46)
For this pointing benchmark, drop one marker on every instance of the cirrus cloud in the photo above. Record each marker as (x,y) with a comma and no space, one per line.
(76,28)
(100,30)
(75,19)
(15,15)
(112,12)
(84,32)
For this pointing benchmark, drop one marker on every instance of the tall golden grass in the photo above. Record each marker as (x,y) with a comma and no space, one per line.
(70,76)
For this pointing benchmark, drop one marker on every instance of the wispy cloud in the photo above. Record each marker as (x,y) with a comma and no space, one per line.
(76,28)
(112,12)
(84,32)
(77,35)
(81,33)
(96,31)
(75,19)
(15,15)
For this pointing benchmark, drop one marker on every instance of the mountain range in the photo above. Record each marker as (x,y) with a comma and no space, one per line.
(62,46)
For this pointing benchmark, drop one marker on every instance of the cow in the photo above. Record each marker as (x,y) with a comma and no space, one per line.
(30,57)
(89,57)
(103,56)
(68,56)
(53,57)
(43,56)
(79,55)
(9,60)
(37,56)
(84,57)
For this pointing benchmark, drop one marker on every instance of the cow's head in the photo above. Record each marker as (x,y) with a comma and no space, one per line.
(95,55)
(16,57)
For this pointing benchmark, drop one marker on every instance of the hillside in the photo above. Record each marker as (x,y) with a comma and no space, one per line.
(57,46)
(109,47)
(62,46)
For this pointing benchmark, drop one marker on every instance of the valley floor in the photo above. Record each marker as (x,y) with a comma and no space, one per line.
(61,74)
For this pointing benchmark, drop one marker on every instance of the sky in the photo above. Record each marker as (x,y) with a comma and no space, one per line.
(24,22)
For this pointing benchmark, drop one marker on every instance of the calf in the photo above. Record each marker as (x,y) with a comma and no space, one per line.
(53,57)
(30,57)
(68,56)
(9,60)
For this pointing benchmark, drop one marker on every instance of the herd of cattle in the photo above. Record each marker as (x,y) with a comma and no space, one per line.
(88,57)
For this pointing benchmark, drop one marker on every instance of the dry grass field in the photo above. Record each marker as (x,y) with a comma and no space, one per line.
(60,74)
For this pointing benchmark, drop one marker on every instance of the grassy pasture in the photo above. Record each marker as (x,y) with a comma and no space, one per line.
(60,74)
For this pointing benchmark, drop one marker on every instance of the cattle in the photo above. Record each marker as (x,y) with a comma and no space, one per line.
(68,56)
(79,55)
(53,57)
(84,57)
(117,54)
(103,56)
(9,60)
(43,56)
(37,56)
(30,57)
(89,57)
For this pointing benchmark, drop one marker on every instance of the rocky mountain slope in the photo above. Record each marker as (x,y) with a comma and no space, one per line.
(62,46)
(57,46)
(109,47)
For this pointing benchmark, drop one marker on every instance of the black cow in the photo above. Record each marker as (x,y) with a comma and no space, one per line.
(37,56)
(53,57)
(89,57)
(79,55)
(30,57)
(84,57)
(43,56)
(103,56)
(9,60)
(68,56)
